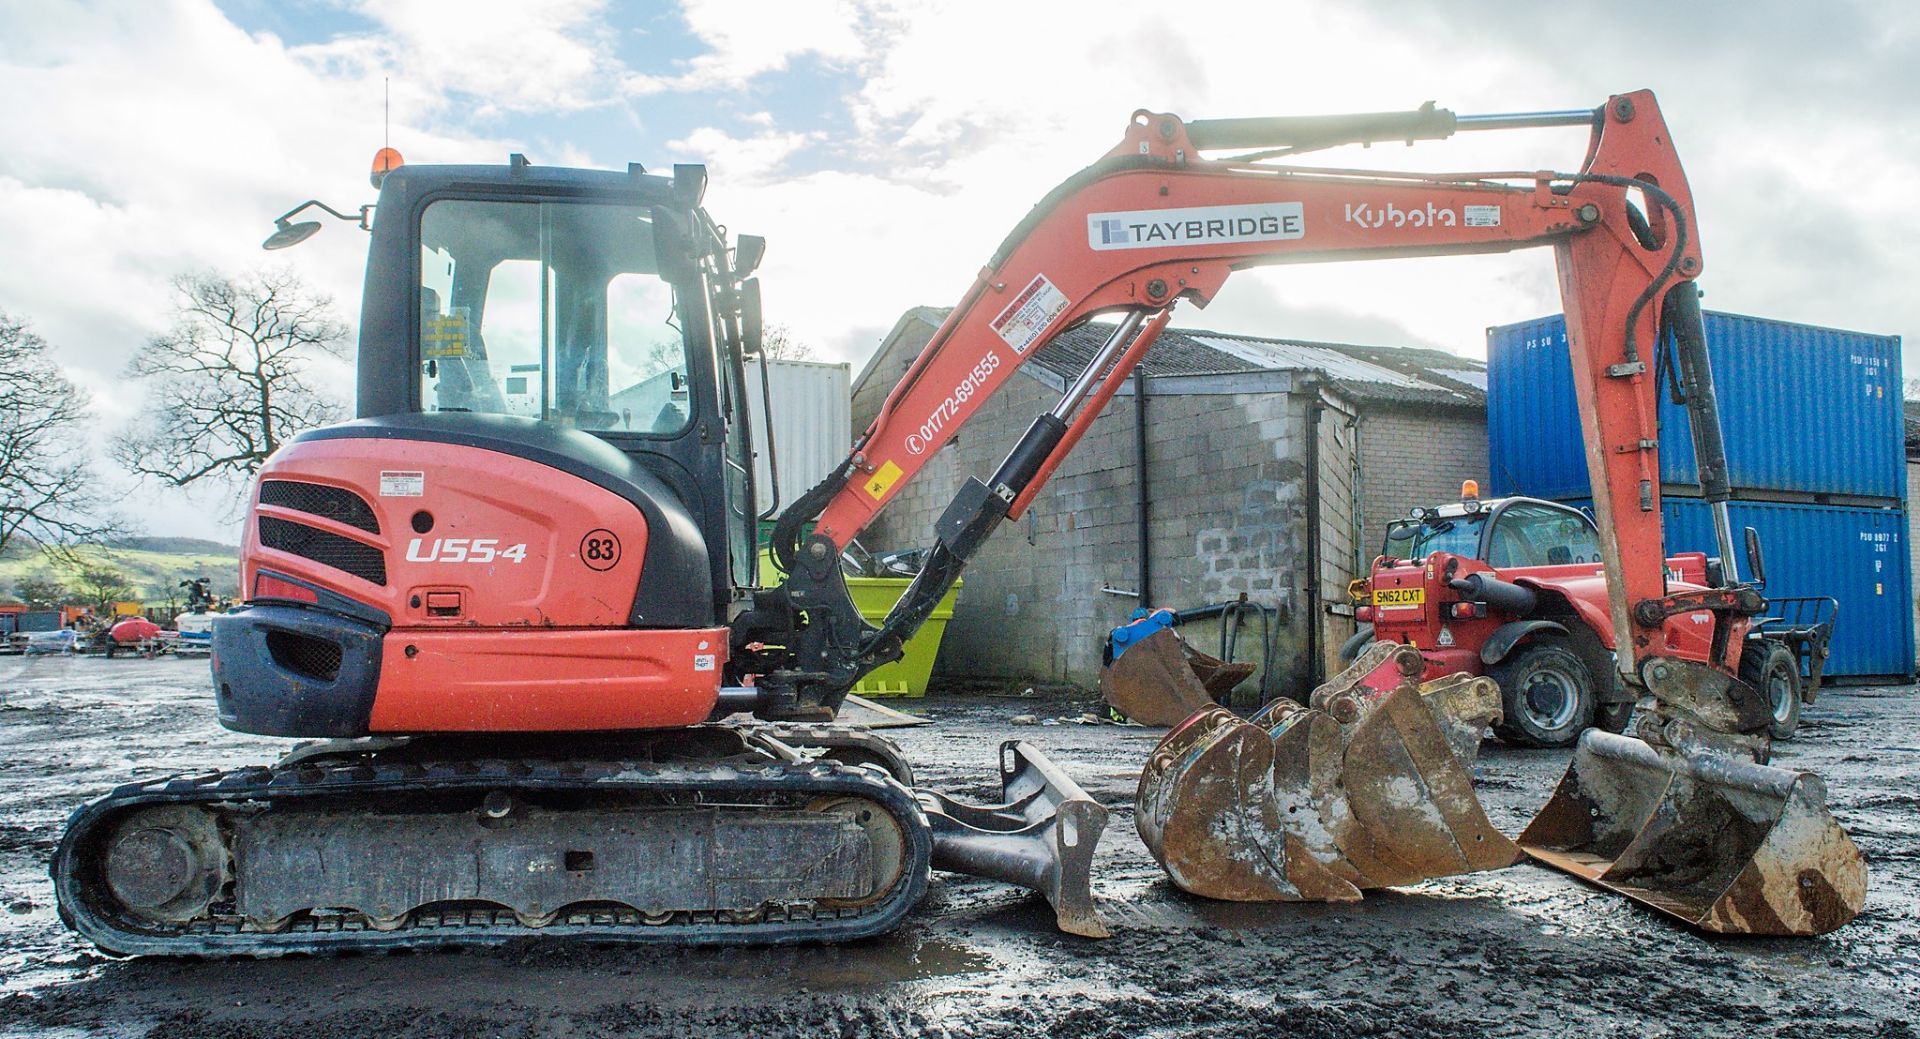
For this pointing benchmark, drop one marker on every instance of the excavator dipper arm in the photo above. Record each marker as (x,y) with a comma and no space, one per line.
(1152,223)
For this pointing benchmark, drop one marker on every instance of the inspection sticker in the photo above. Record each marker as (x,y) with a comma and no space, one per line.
(1030,313)
(1481,216)
(402,485)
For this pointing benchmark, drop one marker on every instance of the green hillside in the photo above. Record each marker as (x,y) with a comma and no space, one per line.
(153,572)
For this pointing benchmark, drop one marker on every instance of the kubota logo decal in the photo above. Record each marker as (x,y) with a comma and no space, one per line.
(1370,216)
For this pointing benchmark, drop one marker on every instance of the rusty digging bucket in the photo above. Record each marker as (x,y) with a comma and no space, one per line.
(1726,845)
(1369,787)
(1165,681)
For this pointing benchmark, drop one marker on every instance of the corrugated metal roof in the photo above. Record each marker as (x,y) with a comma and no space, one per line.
(1280,354)
(1402,375)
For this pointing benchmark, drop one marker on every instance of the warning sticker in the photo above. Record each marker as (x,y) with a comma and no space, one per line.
(402,485)
(886,476)
(1481,216)
(1030,313)
(445,335)
(703,661)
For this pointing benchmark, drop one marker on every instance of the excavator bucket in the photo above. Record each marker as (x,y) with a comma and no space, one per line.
(1161,680)
(1726,845)
(1368,787)
(1040,836)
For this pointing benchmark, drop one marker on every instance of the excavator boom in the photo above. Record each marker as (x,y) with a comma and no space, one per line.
(1155,222)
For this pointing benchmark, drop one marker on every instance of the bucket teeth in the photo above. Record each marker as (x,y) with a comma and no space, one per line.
(1726,845)
(1367,788)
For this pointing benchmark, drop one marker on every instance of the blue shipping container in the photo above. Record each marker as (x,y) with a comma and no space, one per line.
(1856,555)
(1805,410)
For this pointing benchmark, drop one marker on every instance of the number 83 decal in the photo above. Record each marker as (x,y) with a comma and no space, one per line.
(600,549)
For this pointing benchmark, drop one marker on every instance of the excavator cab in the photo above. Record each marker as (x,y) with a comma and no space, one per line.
(586,300)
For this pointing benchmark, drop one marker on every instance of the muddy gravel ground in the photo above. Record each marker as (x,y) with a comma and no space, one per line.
(1523,951)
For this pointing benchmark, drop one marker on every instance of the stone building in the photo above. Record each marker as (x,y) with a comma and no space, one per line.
(1266,461)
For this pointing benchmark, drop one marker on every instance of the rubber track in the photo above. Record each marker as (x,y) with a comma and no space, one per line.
(85,906)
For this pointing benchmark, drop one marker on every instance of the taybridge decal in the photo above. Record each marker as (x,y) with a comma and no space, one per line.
(1153,228)
(928,434)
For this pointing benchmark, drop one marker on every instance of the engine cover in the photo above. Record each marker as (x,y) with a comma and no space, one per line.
(452,572)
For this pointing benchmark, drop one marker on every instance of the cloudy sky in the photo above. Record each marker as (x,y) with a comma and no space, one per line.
(886,146)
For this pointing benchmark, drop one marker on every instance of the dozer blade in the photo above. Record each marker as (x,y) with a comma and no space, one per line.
(1041,836)
(1728,846)
(1369,787)
(1160,680)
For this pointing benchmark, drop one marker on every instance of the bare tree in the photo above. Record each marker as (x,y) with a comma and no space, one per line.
(227,384)
(778,343)
(46,492)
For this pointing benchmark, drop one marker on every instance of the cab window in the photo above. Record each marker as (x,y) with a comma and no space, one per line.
(1535,535)
(552,311)
(1458,535)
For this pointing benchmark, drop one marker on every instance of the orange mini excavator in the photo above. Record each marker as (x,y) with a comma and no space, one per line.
(519,596)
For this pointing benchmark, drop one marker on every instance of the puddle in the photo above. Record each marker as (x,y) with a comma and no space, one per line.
(892,958)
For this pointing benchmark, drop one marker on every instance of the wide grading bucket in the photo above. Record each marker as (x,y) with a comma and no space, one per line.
(1368,787)
(1726,845)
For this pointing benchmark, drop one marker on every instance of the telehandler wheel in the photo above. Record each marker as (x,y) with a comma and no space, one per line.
(1546,693)
(1772,668)
(1613,717)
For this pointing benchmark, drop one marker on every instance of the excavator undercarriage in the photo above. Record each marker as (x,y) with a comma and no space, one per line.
(717,835)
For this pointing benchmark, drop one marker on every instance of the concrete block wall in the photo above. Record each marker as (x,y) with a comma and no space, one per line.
(1411,456)
(1226,476)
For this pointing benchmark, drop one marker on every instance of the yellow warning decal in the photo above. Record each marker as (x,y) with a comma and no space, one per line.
(885,477)
(445,335)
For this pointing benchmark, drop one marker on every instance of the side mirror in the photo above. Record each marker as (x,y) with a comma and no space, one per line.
(1756,560)
(674,255)
(748,251)
(1401,532)
(751,319)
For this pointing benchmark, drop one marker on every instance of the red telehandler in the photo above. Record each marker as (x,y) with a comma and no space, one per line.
(519,594)
(1513,588)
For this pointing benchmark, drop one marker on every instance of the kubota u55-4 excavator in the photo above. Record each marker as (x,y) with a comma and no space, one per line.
(520,591)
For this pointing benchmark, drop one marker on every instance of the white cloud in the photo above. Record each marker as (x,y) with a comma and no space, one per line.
(749,38)
(507,55)
(163,139)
